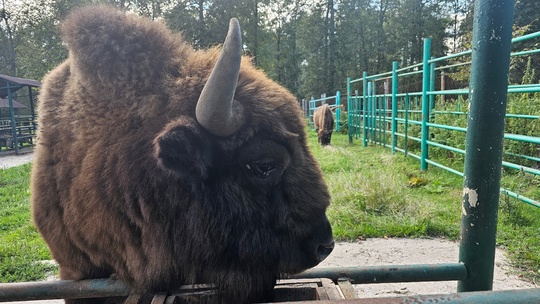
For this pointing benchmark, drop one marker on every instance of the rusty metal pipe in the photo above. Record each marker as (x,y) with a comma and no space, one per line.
(97,288)
(112,288)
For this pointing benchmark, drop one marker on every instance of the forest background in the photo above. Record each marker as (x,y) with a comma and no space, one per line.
(309,46)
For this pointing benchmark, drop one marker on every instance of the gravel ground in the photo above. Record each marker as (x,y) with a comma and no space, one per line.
(381,251)
(397,251)
(8,161)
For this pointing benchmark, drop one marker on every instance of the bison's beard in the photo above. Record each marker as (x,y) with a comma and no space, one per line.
(247,287)
(247,272)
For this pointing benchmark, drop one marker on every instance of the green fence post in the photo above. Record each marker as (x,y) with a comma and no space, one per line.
(425,104)
(394,104)
(338,110)
(349,109)
(485,125)
(12,118)
(384,122)
(371,107)
(32,111)
(311,110)
(406,131)
(357,118)
(431,88)
(365,105)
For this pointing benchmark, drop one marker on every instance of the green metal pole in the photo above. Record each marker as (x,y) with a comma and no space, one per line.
(492,36)
(357,118)
(425,103)
(395,66)
(406,131)
(383,133)
(12,117)
(388,274)
(97,288)
(338,110)
(371,106)
(376,117)
(349,109)
(32,109)
(382,120)
(312,107)
(431,88)
(365,103)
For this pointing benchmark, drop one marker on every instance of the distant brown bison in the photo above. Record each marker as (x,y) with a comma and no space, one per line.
(167,166)
(323,118)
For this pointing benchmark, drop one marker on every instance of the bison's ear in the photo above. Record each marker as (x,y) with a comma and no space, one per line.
(183,149)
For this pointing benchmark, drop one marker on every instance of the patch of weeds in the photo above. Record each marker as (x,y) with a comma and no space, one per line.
(415,182)
(436,187)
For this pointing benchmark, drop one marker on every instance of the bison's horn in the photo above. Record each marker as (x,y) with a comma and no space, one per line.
(216,109)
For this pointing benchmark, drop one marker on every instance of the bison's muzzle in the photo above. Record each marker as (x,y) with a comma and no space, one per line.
(323,244)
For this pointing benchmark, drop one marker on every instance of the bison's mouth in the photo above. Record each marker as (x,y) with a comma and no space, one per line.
(323,251)
(309,252)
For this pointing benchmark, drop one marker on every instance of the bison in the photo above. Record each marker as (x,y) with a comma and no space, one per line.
(161,165)
(323,118)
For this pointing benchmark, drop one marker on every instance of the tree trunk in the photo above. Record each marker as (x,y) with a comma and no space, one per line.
(279,64)
(13,65)
(332,48)
(381,40)
(255,30)
(201,24)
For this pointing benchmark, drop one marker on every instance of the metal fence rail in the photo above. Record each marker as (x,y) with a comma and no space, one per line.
(100,288)
(406,121)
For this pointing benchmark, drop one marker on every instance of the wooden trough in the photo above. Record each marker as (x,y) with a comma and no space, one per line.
(285,291)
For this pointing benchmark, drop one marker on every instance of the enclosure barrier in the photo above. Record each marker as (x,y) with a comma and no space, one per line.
(336,105)
(392,118)
(484,144)
(113,288)
(36,291)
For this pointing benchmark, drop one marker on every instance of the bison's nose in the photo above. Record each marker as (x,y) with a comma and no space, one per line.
(324,251)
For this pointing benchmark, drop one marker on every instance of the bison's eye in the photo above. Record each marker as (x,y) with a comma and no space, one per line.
(262,169)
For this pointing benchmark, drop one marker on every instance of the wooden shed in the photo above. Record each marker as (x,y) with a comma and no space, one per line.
(17,129)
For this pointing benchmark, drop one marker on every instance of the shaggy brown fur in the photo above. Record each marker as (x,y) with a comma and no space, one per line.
(324,124)
(125,181)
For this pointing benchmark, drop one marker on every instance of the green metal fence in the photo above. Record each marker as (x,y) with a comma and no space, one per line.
(408,120)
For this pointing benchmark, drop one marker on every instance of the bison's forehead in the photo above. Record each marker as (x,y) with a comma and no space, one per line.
(270,107)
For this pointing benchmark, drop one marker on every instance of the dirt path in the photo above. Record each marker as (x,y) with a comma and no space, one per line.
(8,161)
(378,251)
(381,251)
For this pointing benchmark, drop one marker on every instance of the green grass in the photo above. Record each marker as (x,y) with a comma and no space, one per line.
(21,246)
(378,194)
(374,194)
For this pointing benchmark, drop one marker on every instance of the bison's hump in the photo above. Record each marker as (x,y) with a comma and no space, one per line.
(111,48)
